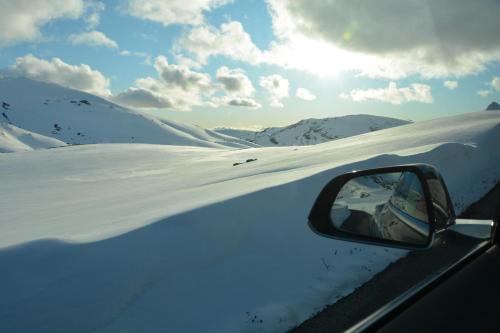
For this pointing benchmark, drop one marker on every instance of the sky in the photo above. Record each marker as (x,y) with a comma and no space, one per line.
(257,63)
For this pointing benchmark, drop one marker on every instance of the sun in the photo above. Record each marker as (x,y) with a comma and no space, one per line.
(316,56)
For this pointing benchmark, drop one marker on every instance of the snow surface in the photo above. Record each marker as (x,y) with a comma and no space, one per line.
(152,238)
(13,138)
(76,117)
(314,131)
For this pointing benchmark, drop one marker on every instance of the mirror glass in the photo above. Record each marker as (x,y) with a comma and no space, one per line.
(388,206)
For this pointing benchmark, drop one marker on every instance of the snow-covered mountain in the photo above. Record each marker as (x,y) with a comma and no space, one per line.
(13,139)
(37,115)
(75,117)
(147,238)
(494,106)
(314,131)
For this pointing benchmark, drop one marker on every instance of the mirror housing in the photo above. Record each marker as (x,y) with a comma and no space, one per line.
(440,213)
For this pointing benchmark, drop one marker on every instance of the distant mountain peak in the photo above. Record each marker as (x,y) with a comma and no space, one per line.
(494,106)
(313,131)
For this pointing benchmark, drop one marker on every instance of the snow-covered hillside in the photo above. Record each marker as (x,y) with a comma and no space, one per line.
(314,131)
(32,112)
(149,238)
(76,117)
(13,138)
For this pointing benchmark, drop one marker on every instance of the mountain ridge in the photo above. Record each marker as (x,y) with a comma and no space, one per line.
(313,131)
(75,117)
(40,115)
(493,106)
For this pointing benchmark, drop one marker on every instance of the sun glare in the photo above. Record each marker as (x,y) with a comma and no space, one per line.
(319,57)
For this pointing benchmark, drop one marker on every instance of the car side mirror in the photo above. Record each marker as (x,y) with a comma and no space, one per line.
(399,206)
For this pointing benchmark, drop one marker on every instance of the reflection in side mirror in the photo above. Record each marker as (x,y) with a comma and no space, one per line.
(403,206)
(384,206)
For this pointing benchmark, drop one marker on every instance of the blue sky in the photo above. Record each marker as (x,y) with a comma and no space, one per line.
(240,63)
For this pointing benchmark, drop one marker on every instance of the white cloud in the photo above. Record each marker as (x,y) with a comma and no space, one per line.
(388,26)
(235,101)
(392,94)
(244,101)
(172,11)
(235,81)
(176,87)
(305,94)
(147,60)
(277,87)
(238,89)
(81,77)
(143,98)
(484,93)
(180,88)
(451,84)
(179,99)
(21,20)
(93,14)
(432,39)
(182,77)
(230,40)
(93,38)
(495,83)
(187,62)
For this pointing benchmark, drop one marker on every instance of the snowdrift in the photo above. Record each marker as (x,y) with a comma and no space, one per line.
(149,238)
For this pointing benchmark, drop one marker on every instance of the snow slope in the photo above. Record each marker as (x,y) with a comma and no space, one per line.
(13,139)
(151,238)
(314,131)
(76,117)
